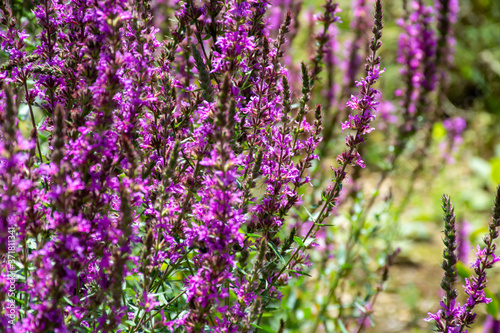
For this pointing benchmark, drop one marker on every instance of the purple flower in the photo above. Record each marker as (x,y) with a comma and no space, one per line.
(454,130)
(417,47)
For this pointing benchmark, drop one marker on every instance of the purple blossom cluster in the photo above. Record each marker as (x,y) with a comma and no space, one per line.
(453,317)
(416,52)
(132,204)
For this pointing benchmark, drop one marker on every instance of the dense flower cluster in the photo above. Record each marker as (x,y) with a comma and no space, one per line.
(154,149)
(416,52)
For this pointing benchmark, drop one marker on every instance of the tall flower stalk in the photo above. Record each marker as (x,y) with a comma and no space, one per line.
(453,317)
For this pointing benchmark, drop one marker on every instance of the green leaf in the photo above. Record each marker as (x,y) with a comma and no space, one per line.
(342,327)
(347,266)
(256,326)
(18,300)
(324,225)
(162,300)
(253,235)
(298,272)
(495,169)
(478,233)
(241,270)
(309,213)
(360,307)
(298,240)
(133,281)
(162,293)
(272,308)
(492,307)
(244,86)
(462,270)
(271,245)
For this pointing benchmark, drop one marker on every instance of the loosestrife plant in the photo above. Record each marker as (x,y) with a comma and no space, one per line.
(132,206)
(453,317)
